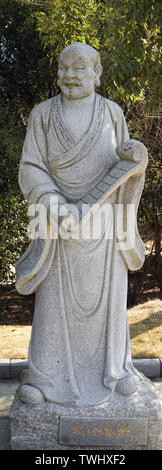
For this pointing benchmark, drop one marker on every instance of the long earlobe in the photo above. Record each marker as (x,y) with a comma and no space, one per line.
(97,82)
(98,69)
(98,72)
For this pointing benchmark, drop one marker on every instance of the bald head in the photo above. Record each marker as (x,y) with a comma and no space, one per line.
(82,49)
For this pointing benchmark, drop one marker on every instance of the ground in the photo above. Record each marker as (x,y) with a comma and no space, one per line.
(15,309)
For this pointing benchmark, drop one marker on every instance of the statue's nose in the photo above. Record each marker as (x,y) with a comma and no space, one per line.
(69,73)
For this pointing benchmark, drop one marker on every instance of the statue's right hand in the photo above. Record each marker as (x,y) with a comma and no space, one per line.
(67,226)
(54,215)
(63,219)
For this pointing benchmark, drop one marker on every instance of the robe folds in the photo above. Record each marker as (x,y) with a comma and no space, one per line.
(80,345)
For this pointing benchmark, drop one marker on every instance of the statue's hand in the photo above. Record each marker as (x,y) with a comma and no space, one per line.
(69,222)
(63,219)
(67,227)
(132,150)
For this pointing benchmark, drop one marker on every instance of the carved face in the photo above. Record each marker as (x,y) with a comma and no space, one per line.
(76,74)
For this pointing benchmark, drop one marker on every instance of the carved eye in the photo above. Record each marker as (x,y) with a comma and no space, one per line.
(80,67)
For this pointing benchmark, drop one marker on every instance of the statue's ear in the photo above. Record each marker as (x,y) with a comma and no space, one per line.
(98,69)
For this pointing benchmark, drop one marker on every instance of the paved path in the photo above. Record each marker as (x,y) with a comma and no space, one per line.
(7,391)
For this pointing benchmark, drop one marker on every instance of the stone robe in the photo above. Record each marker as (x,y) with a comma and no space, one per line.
(80,344)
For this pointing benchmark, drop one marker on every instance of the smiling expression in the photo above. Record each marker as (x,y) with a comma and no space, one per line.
(76,74)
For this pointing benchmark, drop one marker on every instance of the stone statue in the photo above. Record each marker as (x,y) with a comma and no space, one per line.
(77,151)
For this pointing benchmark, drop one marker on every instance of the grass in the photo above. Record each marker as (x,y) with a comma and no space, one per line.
(14,341)
(145,322)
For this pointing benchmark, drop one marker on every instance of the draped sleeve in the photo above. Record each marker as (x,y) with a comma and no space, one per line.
(37,185)
(129,193)
(35,178)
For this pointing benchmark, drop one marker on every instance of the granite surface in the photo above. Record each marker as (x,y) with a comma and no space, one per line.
(127,422)
(77,150)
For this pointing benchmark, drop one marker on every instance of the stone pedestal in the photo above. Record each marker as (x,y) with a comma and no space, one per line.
(124,422)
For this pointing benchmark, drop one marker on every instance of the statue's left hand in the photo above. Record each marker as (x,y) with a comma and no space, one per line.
(132,150)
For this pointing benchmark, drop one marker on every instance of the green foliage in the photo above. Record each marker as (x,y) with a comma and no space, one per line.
(12,206)
(13,233)
(25,79)
(25,71)
(131,49)
(127,33)
(62,23)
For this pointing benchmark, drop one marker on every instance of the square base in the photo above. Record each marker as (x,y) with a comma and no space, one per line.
(124,422)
